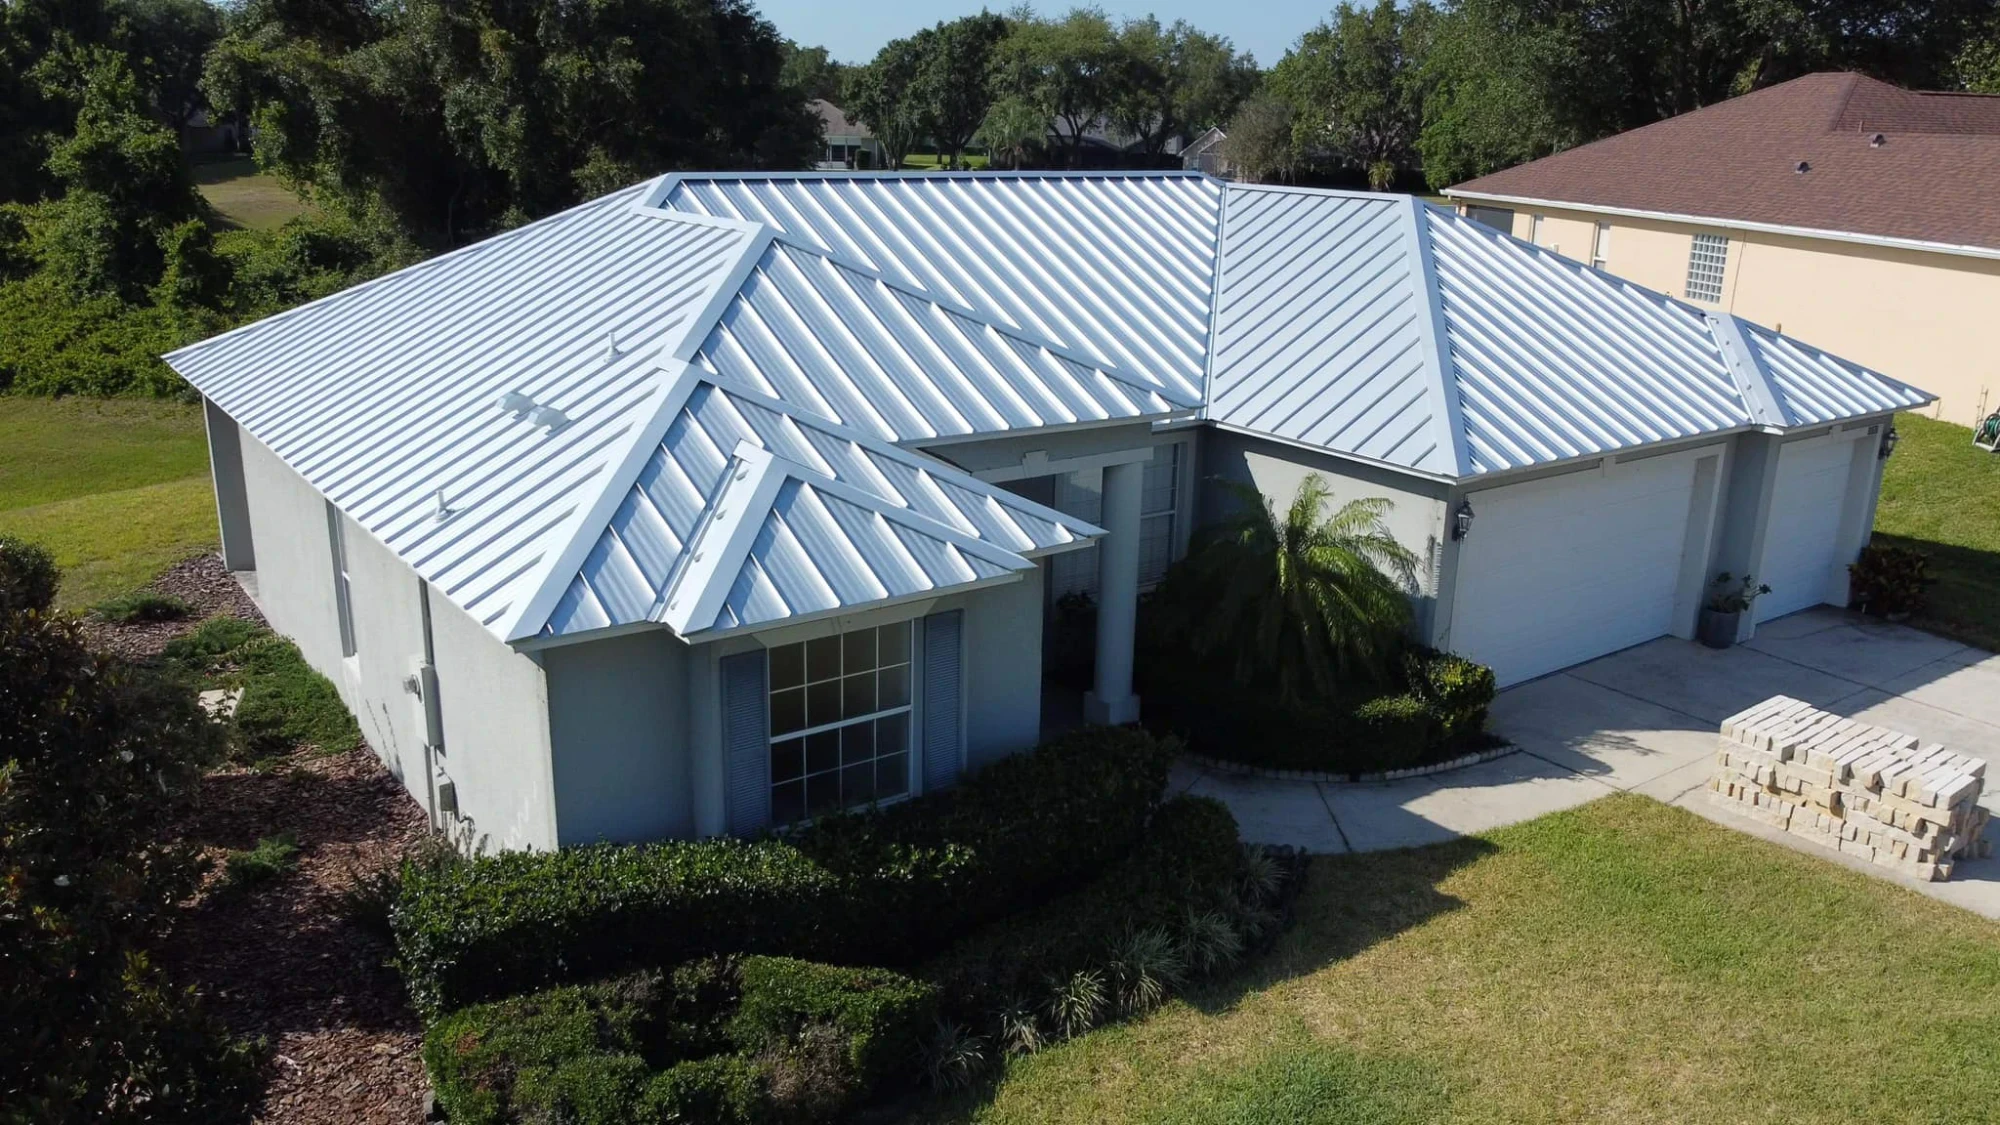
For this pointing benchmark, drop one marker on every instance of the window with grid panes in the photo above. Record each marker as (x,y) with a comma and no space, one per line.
(1708,260)
(840,722)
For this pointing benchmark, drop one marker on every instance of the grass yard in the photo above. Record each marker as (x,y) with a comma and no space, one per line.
(927,161)
(244,196)
(117,488)
(1621,962)
(1942,496)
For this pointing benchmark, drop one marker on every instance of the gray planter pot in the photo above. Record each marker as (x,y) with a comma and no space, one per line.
(1717,629)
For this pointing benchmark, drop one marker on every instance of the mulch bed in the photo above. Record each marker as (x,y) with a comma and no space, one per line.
(202,583)
(280,962)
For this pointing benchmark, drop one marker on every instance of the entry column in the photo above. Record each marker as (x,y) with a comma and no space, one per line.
(1111,700)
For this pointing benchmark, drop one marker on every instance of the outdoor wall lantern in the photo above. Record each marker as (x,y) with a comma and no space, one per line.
(1461,520)
(1889,440)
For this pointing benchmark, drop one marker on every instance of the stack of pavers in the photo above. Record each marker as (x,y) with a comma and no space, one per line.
(1860,789)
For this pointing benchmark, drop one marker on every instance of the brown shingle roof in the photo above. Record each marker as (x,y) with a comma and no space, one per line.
(1934,178)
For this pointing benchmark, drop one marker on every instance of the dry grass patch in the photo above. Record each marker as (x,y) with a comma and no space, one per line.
(1621,962)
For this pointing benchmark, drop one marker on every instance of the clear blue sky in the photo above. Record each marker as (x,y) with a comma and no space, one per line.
(853,30)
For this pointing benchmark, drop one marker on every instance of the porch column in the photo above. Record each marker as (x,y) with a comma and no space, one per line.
(1111,700)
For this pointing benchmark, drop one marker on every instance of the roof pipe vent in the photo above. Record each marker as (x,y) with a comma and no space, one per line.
(1802,168)
(515,403)
(1877,141)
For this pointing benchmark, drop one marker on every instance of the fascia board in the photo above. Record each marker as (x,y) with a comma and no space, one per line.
(705,636)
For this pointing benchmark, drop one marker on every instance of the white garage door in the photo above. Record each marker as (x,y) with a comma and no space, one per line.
(1559,571)
(1802,541)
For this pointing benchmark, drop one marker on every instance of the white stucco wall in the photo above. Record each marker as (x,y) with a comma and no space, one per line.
(618,727)
(491,698)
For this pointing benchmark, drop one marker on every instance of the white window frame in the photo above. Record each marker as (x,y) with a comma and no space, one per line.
(1708,268)
(901,715)
(1535,229)
(343,586)
(1600,246)
(1171,458)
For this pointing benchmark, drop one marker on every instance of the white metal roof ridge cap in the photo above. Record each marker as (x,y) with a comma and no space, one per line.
(1386,198)
(1096,363)
(694,332)
(916,458)
(1435,339)
(1214,304)
(588,526)
(373,282)
(1762,402)
(730,524)
(931,177)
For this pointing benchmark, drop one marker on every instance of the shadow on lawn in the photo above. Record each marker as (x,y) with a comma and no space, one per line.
(1964,605)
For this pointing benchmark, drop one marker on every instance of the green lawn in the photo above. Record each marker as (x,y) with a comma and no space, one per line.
(1621,962)
(930,160)
(1942,496)
(117,488)
(244,196)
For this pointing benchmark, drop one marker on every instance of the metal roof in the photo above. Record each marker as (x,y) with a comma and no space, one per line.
(845,520)
(1387,329)
(734,358)
(1119,267)
(864,350)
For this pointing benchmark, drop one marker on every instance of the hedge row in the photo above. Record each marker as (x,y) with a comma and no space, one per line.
(718,1041)
(1437,709)
(882,888)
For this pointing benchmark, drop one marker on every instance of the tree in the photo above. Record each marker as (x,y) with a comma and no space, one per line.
(1492,96)
(953,85)
(1178,82)
(812,72)
(1069,69)
(97,762)
(168,41)
(1303,603)
(1013,131)
(1355,88)
(457,120)
(1258,140)
(882,96)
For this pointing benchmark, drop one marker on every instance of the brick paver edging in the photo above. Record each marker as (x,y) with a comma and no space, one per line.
(1245,770)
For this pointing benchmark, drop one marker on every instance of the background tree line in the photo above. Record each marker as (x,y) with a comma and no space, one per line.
(1443,92)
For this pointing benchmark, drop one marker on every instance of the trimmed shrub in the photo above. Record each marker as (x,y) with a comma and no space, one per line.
(203,649)
(885,887)
(718,1040)
(1189,866)
(28,576)
(286,704)
(1890,580)
(1458,691)
(141,607)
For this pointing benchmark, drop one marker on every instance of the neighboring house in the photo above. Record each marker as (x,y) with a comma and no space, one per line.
(849,144)
(1207,153)
(728,499)
(1857,215)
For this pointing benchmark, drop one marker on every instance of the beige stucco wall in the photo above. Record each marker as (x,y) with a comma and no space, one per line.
(1932,320)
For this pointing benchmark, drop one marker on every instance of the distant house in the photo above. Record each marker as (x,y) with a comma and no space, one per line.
(849,144)
(1206,154)
(731,499)
(1861,216)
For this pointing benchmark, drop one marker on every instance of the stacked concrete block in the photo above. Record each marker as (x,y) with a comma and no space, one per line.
(1856,788)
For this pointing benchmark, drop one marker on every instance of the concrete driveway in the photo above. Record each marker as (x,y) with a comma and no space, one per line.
(1645,720)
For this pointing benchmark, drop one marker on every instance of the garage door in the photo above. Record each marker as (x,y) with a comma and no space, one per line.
(1559,571)
(1802,542)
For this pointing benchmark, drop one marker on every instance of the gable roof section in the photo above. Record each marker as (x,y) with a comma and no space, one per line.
(1736,161)
(1119,267)
(385,394)
(1812,387)
(752,511)
(866,351)
(1323,327)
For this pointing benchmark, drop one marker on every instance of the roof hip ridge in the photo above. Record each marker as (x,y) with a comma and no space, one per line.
(1435,337)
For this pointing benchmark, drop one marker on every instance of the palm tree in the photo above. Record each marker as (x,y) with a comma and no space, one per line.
(1301,604)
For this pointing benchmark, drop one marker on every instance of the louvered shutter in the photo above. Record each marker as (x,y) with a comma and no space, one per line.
(943,690)
(746,742)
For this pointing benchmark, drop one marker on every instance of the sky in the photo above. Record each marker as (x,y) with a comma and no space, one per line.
(853,30)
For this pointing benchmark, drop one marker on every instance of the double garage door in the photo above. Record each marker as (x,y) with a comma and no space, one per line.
(1566,569)
(1561,570)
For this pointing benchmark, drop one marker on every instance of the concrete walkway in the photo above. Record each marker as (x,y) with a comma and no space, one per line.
(1644,720)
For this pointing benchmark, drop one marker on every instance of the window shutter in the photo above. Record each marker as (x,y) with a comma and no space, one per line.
(746,743)
(943,691)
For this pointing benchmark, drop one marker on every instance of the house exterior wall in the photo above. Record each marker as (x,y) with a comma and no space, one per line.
(618,727)
(1275,469)
(1924,318)
(491,698)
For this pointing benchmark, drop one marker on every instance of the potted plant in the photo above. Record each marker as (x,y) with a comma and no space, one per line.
(1728,600)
